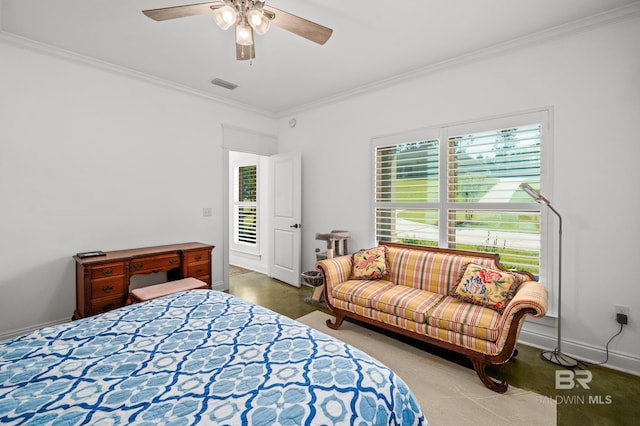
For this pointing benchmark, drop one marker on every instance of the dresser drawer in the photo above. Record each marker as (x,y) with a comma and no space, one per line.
(198,269)
(105,304)
(146,265)
(198,256)
(107,270)
(107,287)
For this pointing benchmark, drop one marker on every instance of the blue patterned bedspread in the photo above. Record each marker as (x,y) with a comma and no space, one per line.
(198,357)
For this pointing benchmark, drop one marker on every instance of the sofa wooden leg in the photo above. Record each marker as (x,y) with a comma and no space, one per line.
(494,385)
(337,323)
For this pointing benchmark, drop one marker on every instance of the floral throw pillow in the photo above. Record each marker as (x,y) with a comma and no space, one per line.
(486,287)
(370,264)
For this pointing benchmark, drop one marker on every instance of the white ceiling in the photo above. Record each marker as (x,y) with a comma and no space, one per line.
(373,41)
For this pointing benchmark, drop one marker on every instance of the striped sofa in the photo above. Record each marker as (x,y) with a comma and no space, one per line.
(413,300)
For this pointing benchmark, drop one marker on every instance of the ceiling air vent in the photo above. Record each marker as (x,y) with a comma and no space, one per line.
(223,83)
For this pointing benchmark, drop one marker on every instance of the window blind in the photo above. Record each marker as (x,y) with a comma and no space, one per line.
(245,209)
(408,172)
(464,193)
(489,166)
(245,224)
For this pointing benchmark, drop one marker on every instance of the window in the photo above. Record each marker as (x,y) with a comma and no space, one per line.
(407,186)
(458,187)
(245,206)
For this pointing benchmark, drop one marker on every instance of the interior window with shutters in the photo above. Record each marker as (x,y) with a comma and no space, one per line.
(461,189)
(245,207)
(485,171)
(407,177)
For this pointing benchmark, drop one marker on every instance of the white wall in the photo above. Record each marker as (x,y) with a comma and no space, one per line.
(592,81)
(94,160)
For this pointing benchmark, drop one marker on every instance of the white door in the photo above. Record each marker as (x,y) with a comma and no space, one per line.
(286,191)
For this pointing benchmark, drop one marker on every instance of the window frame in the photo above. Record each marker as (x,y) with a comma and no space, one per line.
(236,244)
(548,228)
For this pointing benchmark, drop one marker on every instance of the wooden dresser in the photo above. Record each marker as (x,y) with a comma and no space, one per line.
(102,282)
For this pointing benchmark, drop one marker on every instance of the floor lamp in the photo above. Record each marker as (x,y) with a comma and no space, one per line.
(556,356)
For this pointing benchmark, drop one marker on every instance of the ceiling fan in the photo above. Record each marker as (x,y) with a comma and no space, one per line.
(248,16)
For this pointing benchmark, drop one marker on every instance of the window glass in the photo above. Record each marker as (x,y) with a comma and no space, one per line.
(474,202)
(247,184)
(245,211)
(407,172)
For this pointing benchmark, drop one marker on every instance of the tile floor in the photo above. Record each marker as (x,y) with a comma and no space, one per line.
(612,399)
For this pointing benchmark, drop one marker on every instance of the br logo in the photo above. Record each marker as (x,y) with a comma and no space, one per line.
(569,379)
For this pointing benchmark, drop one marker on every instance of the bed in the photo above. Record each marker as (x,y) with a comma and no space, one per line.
(195,357)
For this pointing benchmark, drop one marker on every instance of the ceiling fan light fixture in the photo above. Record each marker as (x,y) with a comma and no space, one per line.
(258,21)
(248,16)
(244,33)
(225,16)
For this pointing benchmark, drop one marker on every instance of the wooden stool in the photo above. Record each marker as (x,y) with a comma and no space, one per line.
(164,289)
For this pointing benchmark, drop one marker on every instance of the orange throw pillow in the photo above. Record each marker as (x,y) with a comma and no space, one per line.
(486,287)
(370,264)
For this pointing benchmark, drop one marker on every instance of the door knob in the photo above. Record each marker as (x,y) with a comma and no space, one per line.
(297,225)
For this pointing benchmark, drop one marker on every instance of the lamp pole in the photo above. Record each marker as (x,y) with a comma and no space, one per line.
(555,356)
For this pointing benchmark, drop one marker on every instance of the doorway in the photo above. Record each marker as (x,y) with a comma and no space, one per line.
(269,258)
(264,214)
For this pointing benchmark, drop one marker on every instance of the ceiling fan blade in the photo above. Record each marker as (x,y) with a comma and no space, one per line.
(300,26)
(182,11)
(244,53)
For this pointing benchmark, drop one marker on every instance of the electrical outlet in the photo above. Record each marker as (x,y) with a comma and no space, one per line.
(622,319)
(620,309)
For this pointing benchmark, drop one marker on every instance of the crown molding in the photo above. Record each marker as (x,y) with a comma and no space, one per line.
(248,130)
(630,11)
(68,55)
(613,16)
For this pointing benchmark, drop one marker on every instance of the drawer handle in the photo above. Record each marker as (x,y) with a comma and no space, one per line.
(199,257)
(173,261)
(198,271)
(107,271)
(107,289)
(138,265)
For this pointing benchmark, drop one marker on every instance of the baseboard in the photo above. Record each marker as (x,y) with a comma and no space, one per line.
(21,331)
(583,352)
(219,286)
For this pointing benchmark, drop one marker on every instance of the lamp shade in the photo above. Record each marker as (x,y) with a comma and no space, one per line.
(537,197)
(244,33)
(225,16)
(258,21)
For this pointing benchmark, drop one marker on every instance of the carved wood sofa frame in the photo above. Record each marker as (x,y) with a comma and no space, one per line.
(479,360)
